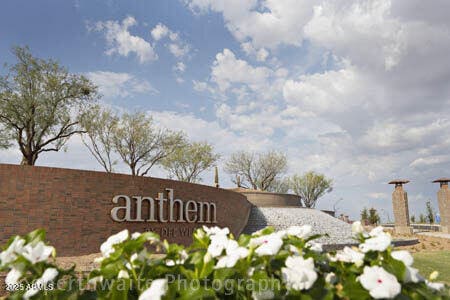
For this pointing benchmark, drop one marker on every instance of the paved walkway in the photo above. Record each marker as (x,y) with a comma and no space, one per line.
(436,234)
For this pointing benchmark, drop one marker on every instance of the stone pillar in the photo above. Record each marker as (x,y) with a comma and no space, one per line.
(400,206)
(444,204)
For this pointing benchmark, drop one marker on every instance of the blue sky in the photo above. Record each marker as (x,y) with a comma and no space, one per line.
(357,90)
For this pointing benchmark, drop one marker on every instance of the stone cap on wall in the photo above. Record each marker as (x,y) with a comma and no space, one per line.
(269,199)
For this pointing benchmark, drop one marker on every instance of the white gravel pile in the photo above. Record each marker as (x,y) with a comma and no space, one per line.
(339,232)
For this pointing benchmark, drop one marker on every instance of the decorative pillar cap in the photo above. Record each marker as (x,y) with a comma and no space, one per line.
(398,182)
(442,180)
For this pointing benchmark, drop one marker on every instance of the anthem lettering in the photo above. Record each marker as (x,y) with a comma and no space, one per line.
(163,210)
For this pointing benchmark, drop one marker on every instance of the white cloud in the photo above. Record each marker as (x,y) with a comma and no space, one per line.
(266,23)
(122,42)
(159,31)
(122,85)
(177,46)
(227,69)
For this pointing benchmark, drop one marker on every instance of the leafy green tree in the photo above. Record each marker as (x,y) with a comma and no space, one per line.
(310,187)
(189,160)
(422,218)
(41,104)
(413,219)
(141,145)
(100,125)
(364,215)
(374,218)
(259,171)
(281,186)
(429,213)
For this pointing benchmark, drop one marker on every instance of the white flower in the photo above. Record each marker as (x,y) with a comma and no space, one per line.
(350,256)
(268,244)
(263,295)
(10,254)
(379,230)
(379,283)
(39,252)
(295,250)
(314,246)
(403,256)
(435,285)
(217,245)
(48,275)
(216,231)
(357,228)
(412,274)
(107,248)
(299,273)
(183,257)
(13,277)
(234,253)
(330,278)
(135,235)
(300,231)
(157,289)
(123,274)
(379,242)
(95,280)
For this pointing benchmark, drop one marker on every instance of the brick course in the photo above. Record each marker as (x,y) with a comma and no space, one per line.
(74,206)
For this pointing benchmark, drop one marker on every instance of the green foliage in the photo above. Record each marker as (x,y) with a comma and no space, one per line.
(413,219)
(41,104)
(259,171)
(189,160)
(100,125)
(429,213)
(422,218)
(266,265)
(364,215)
(310,187)
(373,218)
(141,144)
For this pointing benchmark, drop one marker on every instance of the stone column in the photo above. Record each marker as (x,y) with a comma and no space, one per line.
(400,206)
(444,204)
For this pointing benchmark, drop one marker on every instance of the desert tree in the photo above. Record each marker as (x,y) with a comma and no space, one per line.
(374,218)
(310,187)
(422,218)
(41,104)
(141,144)
(364,215)
(259,171)
(280,186)
(429,212)
(189,160)
(100,125)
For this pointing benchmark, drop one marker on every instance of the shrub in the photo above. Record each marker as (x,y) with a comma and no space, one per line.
(268,264)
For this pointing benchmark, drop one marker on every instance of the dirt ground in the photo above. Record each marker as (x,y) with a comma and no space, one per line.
(427,243)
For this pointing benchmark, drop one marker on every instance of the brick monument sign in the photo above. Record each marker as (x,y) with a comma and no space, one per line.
(80,209)
(400,206)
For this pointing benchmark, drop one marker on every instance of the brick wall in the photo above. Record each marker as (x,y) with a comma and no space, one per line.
(74,206)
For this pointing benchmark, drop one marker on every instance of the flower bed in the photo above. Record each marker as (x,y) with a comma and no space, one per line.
(269,264)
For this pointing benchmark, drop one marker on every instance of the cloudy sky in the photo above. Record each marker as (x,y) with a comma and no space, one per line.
(358,90)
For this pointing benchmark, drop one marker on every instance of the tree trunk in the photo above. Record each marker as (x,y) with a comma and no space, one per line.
(28,159)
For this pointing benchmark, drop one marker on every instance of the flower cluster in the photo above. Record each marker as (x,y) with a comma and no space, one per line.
(268,264)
